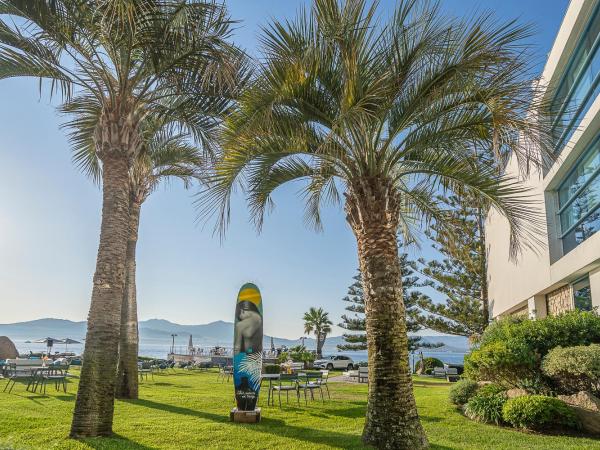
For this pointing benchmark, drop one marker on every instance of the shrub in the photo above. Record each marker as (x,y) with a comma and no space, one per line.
(272,368)
(574,369)
(566,330)
(538,412)
(501,362)
(427,365)
(511,350)
(486,405)
(461,392)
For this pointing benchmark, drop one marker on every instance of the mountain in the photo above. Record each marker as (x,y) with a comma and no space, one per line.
(159,331)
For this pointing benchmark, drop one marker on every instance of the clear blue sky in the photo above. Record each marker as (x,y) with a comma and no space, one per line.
(50,216)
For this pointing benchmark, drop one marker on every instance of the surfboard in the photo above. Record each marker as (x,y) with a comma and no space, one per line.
(247,347)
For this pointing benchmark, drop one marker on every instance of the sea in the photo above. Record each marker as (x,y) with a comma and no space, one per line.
(160,351)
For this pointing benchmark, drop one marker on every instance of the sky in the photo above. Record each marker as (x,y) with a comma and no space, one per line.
(50,215)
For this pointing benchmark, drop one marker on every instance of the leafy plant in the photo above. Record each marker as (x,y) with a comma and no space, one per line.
(502,362)
(462,391)
(427,364)
(486,406)
(538,412)
(272,368)
(574,369)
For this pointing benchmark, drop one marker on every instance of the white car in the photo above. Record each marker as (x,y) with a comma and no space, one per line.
(335,362)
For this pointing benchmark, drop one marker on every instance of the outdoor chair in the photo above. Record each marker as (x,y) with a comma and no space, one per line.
(286,383)
(15,374)
(144,370)
(52,374)
(225,372)
(439,372)
(325,374)
(363,374)
(312,381)
(452,374)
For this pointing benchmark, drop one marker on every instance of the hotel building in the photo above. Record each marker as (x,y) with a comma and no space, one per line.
(564,274)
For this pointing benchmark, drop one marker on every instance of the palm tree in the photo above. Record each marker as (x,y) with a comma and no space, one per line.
(166,154)
(390,113)
(130,58)
(317,320)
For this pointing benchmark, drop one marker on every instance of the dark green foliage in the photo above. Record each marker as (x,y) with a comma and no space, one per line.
(538,412)
(511,350)
(272,368)
(461,275)
(462,391)
(574,369)
(357,340)
(297,354)
(486,406)
(504,362)
(427,365)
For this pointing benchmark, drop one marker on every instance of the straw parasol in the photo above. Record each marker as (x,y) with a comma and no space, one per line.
(68,341)
(49,341)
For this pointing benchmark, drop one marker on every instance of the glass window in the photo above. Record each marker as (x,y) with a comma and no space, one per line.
(579,200)
(582,295)
(579,85)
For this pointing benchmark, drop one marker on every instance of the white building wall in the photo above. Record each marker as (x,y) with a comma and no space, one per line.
(515,284)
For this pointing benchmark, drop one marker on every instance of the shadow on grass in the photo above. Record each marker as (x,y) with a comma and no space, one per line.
(116,441)
(162,383)
(66,397)
(267,425)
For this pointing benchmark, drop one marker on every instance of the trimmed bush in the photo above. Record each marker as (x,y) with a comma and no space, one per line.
(504,362)
(486,406)
(272,368)
(428,364)
(511,350)
(538,412)
(461,392)
(574,369)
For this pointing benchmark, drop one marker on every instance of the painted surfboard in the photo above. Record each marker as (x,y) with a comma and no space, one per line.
(247,347)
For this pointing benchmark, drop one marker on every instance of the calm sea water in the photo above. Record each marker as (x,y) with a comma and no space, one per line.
(161,351)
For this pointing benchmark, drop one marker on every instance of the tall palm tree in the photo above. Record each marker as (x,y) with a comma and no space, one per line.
(317,320)
(131,57)
(390,113)
(167,153)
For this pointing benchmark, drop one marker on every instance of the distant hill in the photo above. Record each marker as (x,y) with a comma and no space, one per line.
(158,331)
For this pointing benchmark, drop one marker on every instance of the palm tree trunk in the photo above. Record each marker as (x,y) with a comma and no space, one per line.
(392,421)
(93,415)
(127,373)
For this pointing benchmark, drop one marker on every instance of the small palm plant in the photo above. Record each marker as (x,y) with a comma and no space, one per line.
(391,114)
(130,57)
(316,321)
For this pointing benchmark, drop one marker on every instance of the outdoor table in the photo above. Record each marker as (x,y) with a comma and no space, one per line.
(270,377)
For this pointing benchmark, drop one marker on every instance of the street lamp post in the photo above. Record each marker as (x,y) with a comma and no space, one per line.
(173,344)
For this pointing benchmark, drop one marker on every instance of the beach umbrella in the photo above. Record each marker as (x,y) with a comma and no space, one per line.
(68,341)
(272,345)
(191,345)
(49,341)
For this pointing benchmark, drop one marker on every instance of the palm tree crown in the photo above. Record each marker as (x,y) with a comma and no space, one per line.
(317,320)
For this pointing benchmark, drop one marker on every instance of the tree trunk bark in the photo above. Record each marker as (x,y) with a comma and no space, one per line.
(93,415)
(127,372)
(392,421)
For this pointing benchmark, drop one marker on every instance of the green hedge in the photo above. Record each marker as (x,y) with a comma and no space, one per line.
(574,369)
(462,391)
(510,350)
(538,412)
(486,406)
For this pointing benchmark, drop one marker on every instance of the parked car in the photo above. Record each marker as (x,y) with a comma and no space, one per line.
(335,362)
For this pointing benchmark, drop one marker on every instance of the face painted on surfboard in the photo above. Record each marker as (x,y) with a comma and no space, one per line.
(247,360)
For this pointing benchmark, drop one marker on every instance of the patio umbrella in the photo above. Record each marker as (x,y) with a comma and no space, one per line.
(49,342)
(68,341)
(191,345)
(272,345)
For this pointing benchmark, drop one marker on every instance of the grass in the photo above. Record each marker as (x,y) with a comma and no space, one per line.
(191,410)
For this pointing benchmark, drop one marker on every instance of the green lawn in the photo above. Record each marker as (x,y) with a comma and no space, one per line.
(190,411)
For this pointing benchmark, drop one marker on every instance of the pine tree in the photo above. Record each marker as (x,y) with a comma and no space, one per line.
(461,275)
(357,339)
